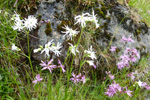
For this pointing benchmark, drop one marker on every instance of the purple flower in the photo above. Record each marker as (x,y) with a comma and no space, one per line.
(113,89)
(61,66)
(144,84)
(15,3)
(107,72)
(120,65)
(147,87)
(123,39)
(132,75)
(37,79)
(126,40)
(48,66)
(76,78)
(130,39)
(111,76)
(124,62)
(42,22)
(133,54)
(128,92)
(83,79)
(113,49)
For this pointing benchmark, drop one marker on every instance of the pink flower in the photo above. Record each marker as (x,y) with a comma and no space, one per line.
(37,79)
(132,75)
(83,79)
(126,40)
(76,78)
(130,39)
(147,87)
(15,3)
(113,49)
(128,92)
(48,66)
(113,89)
(62,66)
(144,84)
(42,22)
(107,72)
(111,76)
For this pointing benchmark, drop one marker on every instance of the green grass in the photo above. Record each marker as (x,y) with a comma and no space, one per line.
(16,74)
(140,7)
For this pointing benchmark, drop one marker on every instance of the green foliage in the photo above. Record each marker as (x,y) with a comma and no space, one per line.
(6,84)
(58,86)
(143,8)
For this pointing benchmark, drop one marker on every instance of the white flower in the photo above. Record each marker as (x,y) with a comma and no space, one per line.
(91,63)
(30,23)
(47,48)
(70,32)
(18,22)
(90,53)
(37,50)
(56,49)
(139,83)
(73,49)
(81,19)
(94,19)
(14,48)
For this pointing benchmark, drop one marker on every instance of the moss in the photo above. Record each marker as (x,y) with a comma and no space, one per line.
(39,17)
(100,13)
(56,14)
(48,29)
(138,31)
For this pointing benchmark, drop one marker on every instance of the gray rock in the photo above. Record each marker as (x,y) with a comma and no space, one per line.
(52,12)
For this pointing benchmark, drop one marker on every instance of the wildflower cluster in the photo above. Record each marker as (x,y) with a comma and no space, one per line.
(29,23)
(50,47)
(50,66)
(115,88)
(78,78)
(70,33)
(143,85)
(126,40)
(130,55)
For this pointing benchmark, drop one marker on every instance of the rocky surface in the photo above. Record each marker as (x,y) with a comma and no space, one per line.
(114,20)
(117,22)
(49,12)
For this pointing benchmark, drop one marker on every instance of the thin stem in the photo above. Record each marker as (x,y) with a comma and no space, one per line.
(29,56)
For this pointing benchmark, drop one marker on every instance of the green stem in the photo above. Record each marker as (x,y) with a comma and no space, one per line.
(80,36)
(29,56)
